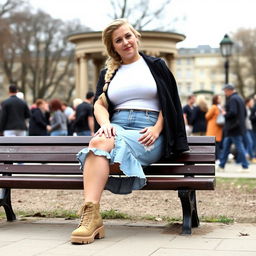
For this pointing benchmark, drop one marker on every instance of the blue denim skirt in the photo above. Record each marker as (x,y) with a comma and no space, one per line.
(128,151)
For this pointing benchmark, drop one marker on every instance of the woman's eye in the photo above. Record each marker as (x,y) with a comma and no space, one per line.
(128,36)
(118,41)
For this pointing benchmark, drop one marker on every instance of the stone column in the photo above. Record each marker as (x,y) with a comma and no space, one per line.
(83,86)
(170,62)
(77,76)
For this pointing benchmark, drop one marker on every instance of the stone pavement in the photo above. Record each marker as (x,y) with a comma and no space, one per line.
(233,170)
(50,237)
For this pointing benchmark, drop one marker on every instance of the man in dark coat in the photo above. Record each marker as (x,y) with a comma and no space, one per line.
(84,122)
(14,114)
(234,128)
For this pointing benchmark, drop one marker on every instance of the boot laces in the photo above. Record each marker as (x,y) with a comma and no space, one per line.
(85,215)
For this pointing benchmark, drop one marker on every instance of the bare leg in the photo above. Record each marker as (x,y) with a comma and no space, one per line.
(96,170)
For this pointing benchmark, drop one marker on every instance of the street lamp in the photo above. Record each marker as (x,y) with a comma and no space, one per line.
(226,51)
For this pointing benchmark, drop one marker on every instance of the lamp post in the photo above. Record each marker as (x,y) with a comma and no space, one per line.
(226,45)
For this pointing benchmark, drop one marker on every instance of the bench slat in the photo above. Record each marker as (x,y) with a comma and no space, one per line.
(73,149)
(80,140)
(69,158)
(77,183)
(75,170)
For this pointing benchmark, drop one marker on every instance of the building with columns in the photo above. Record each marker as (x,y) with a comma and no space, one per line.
(89,51)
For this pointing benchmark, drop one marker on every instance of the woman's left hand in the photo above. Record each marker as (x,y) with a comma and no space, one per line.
(150,135)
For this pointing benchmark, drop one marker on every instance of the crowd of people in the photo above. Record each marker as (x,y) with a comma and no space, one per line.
(233,123)
(43,118)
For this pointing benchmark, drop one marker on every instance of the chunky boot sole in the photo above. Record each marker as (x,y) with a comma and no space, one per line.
(97,234)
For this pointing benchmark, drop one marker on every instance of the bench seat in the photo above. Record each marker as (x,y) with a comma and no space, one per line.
(50,163)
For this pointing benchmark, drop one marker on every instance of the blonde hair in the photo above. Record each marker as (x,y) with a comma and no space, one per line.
(114,59)
(201,103)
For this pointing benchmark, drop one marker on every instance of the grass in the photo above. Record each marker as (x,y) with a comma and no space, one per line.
(240,183)
(114,214)
(218,219)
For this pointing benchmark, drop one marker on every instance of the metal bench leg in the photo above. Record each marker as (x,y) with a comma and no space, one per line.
(189,209)
(5,201)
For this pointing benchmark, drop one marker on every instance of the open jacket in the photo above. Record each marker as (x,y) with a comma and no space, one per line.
(174,128)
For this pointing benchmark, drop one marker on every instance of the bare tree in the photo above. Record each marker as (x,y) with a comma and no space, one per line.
(244,60)
(8,6)
(39,57)
(140,13)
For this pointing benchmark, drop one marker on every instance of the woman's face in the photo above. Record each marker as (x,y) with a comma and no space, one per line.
(125,44)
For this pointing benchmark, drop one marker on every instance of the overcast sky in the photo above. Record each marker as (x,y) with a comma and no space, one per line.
(206,21)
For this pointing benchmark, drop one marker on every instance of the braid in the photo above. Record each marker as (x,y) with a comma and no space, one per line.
(111,65)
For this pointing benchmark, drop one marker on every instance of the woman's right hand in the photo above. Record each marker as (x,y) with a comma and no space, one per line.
(107,129)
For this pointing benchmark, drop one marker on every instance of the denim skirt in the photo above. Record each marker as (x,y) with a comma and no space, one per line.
(128,151)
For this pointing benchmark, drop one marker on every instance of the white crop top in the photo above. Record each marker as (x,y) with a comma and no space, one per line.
(133,87)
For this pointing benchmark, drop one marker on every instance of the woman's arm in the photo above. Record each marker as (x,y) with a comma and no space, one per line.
(102,116)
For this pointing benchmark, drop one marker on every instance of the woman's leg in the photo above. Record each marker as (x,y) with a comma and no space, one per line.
(96,169)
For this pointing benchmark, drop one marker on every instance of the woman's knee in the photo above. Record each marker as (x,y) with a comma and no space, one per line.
(101,142)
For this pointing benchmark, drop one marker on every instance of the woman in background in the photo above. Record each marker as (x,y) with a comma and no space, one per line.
(58,120)
(213,129)
(198,117)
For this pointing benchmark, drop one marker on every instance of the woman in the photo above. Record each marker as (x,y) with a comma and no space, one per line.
(140,119)
(58,119)
(39,121)
(198,117)
(213,129)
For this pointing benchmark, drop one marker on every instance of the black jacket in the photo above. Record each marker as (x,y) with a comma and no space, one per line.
(83,111)
(253,117)
(38,123)
(174,128)
(198,120)
(14,113)
(235,116)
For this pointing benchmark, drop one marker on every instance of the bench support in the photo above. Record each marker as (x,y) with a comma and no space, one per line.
(5,201)
(189,209)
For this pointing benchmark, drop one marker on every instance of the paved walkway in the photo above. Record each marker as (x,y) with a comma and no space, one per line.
(50,237)
(233,170)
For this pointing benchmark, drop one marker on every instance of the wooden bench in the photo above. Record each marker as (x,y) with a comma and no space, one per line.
(50,163)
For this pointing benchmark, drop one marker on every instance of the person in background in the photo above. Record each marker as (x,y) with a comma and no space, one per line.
(84,120)
(253,120)
(213,129)
(69,113)
(234,128)
(249,137)
(140,118)
(15,113)
(39,121)
(58,119)
(187,113)
(198,117)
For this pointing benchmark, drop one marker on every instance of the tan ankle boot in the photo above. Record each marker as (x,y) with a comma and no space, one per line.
(91,225)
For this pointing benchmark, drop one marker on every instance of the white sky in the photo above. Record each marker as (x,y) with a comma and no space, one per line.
(206,20)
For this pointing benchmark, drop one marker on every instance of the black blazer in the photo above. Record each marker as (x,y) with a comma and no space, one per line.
(235,116)
(14,113)
(38,123)
(174,128)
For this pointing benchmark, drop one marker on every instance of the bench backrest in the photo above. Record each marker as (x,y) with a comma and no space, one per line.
(56,151)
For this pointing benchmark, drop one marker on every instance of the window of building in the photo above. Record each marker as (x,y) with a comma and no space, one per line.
(188,73)
(179,73)
(178,61)
(201,86)
(189,88)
